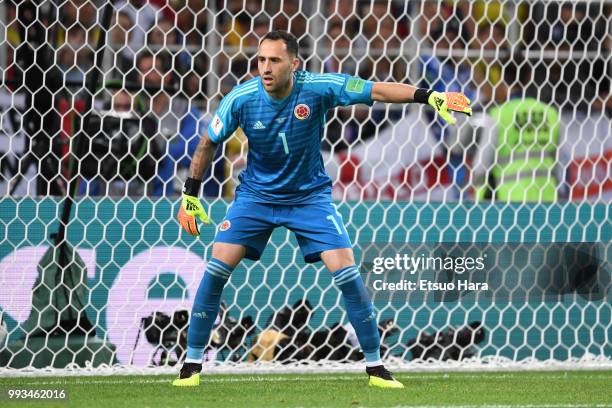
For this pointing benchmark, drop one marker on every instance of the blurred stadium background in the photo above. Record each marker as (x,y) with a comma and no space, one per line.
(102,104)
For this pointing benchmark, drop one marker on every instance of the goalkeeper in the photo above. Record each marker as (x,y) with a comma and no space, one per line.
(282,113)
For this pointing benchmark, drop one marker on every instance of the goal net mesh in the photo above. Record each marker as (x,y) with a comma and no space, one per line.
(108,99)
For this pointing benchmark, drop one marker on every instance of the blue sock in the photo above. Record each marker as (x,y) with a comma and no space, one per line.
(360,312)
(206,308)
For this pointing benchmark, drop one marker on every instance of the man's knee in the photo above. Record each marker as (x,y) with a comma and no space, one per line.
(230,254)
(336,259)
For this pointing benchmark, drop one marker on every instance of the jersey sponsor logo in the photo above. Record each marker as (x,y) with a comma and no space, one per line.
(302,111)
(259,125)
(355,85)
(201,315)
(217,125)
(225,225)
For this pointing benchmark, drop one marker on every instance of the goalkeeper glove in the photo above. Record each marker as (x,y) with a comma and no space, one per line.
(444,103)
(191,208)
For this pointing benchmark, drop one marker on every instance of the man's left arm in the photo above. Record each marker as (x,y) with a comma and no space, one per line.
(443,102)
(343,90)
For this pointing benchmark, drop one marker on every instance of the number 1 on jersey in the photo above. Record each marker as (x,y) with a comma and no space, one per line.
(282,136)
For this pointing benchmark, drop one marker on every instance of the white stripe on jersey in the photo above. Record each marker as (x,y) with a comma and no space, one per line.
(334,77)
(332,81)
(327,74)
(321,81)
(229,105)
(226,103)
(323,78)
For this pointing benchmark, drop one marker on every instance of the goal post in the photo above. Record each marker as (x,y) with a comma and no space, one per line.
(484,245)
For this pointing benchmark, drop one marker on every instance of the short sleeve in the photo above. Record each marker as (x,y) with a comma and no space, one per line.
(224,121)
(343,90)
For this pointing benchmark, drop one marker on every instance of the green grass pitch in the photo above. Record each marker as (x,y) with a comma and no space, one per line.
(557,389)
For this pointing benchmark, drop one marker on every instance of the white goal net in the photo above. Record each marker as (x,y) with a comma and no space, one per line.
(102,104)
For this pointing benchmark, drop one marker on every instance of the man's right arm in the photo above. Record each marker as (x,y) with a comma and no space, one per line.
(202,157)
(191,207)
(222,125)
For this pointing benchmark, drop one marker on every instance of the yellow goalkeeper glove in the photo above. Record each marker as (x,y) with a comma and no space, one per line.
(447,102)
(191,208)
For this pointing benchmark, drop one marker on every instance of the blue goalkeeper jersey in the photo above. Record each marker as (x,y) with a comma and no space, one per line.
(284,163)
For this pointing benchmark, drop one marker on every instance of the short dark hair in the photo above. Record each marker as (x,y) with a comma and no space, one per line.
(289,39)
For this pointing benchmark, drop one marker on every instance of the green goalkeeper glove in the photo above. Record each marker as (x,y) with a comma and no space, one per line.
(447,102)
(191,208)
(444,103)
